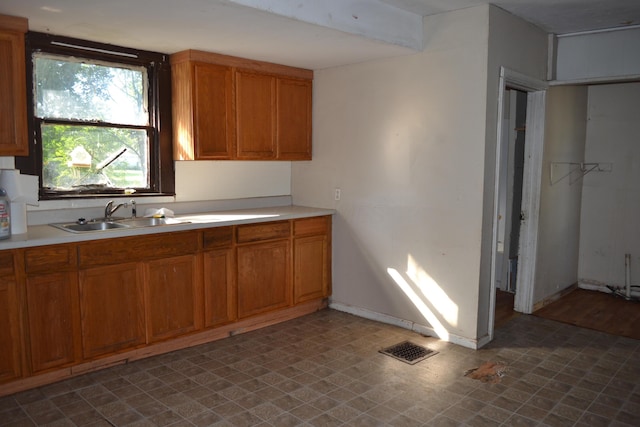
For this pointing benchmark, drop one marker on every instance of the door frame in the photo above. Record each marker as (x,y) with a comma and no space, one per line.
(532,174)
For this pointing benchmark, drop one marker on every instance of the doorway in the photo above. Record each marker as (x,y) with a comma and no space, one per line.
(514,118)
(522,229)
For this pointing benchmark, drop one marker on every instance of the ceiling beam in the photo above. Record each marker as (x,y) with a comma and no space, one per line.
(372,18)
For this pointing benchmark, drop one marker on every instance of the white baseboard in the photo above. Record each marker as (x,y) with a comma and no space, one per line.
(407,324)
(603,287)
(590,286)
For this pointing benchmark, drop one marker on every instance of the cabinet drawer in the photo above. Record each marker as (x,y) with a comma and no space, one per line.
(316,225)
(48,258)
(6,263)
(221,237)
(131,249)
(268,231)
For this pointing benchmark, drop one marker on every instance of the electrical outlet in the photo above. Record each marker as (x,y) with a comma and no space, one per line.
(336,194)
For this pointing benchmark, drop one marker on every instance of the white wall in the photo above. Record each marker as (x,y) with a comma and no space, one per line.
(213,180)
(7,162)
(560,201)
(602,55)
(610,225)
(404,140)
(223,185)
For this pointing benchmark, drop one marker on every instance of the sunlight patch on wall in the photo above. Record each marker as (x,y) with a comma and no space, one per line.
(438,328)
(432,291)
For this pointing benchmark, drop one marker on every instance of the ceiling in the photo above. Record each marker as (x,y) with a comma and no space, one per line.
(312,34)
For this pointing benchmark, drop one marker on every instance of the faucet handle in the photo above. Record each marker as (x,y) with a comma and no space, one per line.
(107,209)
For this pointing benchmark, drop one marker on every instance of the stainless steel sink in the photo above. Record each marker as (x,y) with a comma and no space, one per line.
(98,225)
(76,227)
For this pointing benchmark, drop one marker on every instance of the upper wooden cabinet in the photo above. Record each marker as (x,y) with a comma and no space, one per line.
(203,121)
(255,115)
(232,108)
(293,119)
(13,87)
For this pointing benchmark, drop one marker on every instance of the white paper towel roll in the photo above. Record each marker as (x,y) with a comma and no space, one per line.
(18,218)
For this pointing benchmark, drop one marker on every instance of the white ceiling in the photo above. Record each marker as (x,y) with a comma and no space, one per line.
(553,16)
(311,34)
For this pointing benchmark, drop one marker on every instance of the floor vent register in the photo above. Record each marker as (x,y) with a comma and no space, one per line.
(408,352)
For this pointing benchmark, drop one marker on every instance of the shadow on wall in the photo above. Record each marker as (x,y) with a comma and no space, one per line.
(412,295)
(426,295)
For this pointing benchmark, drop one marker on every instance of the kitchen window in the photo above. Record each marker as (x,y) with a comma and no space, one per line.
(100,119)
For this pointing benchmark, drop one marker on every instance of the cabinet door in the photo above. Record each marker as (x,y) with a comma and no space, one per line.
(202,110)
(264,281)
(112,308)
(171,295)
(13,88)
(219,290)
(310,268)
(52,312)
(9,330)
(213,115)
(294,119)
(255,113)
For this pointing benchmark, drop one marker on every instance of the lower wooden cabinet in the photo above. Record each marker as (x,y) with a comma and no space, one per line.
(171,297)
(10,342)
(112,308)
(264,281)
(219,287)
(311,273)
(311,258)
(69,305)
(52,307)
(52,310)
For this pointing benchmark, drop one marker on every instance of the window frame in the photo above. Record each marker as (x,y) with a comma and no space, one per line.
(161,166)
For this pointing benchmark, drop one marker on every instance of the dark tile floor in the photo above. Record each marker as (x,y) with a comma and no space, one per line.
(325,370)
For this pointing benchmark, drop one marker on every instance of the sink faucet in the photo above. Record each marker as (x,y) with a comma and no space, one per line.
(110,210)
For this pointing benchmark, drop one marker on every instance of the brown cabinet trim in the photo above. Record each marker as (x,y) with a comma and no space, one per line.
(137,248)
(243,63)
(220,237)
(14,23)
(46,259)
(267,231)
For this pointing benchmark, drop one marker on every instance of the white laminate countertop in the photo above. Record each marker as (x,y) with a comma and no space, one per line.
(40,235)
